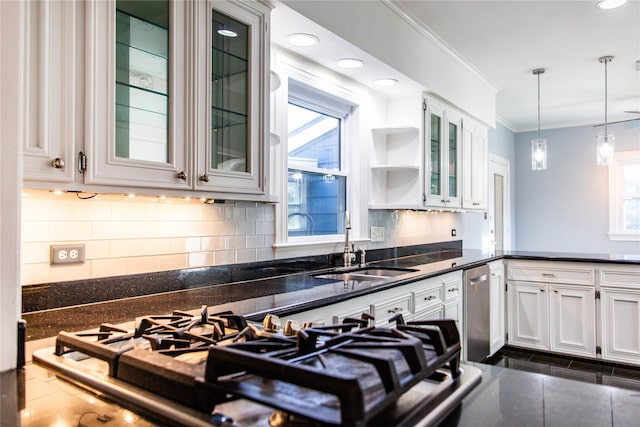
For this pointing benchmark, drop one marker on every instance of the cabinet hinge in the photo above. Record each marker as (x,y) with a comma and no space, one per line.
(82,162)
(424,198)
(424,106)
(598,349)
(597,294)
(506,288)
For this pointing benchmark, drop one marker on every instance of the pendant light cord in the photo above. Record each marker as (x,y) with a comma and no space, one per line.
(605,60)
(537,72)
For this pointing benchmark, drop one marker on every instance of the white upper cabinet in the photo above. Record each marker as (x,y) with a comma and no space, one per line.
(474,165)
(177,95)
(443,155)
(50,91)
(136,91)
(231,96)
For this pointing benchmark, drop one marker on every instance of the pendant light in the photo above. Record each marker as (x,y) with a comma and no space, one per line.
(604,140)
(538,145)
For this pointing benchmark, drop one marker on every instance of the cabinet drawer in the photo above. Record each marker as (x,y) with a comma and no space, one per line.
(452,289)
(621,276)
(383,310)
(427,298)
(551,272)
(433,313)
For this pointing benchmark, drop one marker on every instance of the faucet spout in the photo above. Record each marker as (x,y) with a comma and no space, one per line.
(349,254)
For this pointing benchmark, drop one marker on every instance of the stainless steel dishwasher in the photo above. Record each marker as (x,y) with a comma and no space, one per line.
(476,294)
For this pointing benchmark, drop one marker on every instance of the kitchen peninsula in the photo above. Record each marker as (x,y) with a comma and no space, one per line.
(504,395)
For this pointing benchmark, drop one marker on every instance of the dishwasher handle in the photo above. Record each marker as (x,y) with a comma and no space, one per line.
(478,279)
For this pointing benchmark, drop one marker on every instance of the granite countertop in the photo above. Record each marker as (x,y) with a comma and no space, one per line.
(508,397)
(281,294)
(504,397)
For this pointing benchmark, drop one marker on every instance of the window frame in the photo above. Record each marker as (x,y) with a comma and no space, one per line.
(305,96)
(617,198)
(355,137)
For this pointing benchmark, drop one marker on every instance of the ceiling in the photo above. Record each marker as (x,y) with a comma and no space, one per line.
(504,41)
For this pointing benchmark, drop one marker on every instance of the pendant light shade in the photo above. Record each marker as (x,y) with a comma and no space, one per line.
(538,145)
(605,140)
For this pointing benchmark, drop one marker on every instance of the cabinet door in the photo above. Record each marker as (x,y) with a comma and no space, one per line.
(496,307)
(50,88)
(572,319)
(443,156)
(136,87)
(474,166)
(528,314)
(234,87)
(620,310)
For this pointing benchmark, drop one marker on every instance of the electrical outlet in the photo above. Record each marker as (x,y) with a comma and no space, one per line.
(377,234)
(67,254)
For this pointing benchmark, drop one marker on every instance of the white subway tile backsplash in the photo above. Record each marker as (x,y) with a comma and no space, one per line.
(265,227)
(141,264)
(224,257)
(200,259)
(224,228)
(246,255)
(255,241)
(108,267)
(246,227)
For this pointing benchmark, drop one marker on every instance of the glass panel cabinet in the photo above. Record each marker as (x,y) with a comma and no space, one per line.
(234,56)
(443,155)
(177,95)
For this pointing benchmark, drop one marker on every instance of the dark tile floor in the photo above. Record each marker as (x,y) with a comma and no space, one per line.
(594,372)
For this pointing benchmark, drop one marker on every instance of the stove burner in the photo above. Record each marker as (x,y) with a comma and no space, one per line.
(338,375)
(283,419)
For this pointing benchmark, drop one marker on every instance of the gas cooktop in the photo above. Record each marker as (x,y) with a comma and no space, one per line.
(218,369)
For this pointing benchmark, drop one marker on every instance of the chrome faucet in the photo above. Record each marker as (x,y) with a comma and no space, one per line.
(349,253)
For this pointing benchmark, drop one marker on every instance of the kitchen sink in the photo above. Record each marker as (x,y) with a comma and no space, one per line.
(366,274)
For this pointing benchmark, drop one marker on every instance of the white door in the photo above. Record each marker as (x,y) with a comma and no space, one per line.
(572,319)
(528,314)
(498,206)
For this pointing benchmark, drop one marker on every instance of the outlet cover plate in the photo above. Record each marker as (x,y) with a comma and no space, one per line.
(377,234)
(67,254)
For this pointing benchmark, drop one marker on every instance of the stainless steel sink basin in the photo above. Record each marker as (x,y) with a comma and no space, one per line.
(366,274)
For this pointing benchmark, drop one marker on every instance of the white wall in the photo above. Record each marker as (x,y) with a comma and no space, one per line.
(565,207)
(10,178)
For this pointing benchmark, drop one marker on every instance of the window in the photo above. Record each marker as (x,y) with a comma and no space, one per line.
(624,196)
(316,177)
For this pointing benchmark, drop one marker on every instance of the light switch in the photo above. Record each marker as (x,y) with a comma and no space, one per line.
(377,234)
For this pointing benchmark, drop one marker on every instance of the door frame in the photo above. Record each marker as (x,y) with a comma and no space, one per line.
(500,166)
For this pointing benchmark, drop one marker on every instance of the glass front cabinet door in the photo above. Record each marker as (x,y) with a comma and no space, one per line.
(443,129)
(176,94)
(233,85)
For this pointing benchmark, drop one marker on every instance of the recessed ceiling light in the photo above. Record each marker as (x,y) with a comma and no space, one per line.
(302,39)
(610,4)
(227,33)
(385,82)
(349,63)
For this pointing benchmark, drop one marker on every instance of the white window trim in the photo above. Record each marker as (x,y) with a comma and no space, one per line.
(615,185)
(352,164)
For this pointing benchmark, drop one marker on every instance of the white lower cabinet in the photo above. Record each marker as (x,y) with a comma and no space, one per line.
(620,310)
(562,317)
(572,319)
(555,317)
(528,315)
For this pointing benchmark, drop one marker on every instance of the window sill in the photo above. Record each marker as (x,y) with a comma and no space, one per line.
(327,245)
(631,237)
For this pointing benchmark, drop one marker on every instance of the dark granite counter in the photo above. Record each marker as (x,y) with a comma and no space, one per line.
(504,398)
(508,397)
(282,287)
